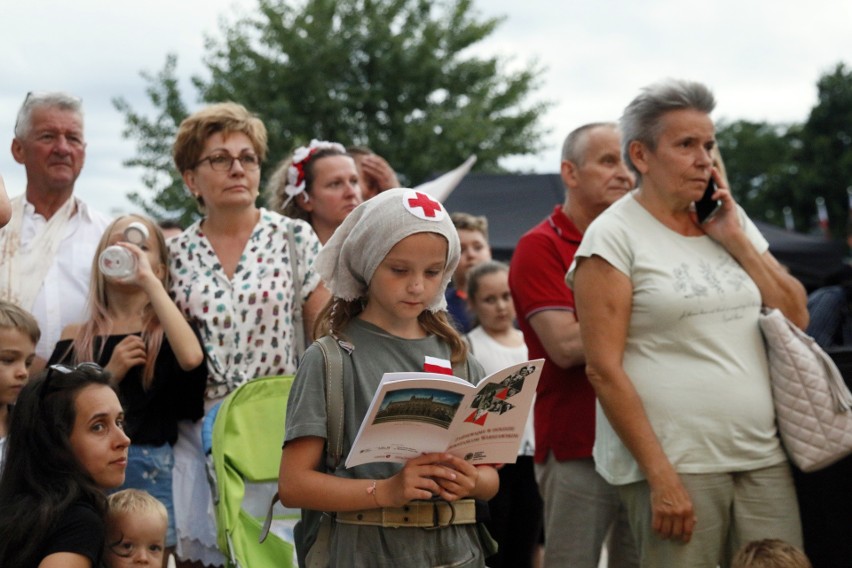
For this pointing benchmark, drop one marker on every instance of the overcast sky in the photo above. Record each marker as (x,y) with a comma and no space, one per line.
(761,57)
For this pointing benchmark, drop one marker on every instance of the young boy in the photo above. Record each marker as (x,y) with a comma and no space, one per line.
(19,334)
(136,525)
(473,237)
(770,553)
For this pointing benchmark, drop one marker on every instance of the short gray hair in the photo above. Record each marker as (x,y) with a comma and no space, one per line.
(55,99)
(574,147)
(641,119)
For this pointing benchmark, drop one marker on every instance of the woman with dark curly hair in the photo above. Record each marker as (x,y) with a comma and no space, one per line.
(66,446)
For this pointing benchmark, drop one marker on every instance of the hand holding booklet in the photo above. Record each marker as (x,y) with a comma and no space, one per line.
(419,413)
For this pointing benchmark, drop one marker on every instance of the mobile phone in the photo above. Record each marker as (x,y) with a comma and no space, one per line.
(707,206)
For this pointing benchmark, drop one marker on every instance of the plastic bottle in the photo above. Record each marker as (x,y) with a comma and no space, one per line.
(118,262)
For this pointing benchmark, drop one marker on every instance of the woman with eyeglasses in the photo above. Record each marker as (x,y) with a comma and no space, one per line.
(240,274)
(66,447)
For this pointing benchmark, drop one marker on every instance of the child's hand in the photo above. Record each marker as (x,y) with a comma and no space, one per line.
(144,274)
(129,352)
(463,485)
(421,478)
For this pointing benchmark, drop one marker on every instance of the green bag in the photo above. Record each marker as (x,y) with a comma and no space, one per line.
(246,452)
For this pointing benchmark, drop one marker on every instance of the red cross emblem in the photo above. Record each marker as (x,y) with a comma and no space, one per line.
(430,209)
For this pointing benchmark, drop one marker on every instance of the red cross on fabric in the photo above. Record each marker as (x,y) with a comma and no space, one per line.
(428,205)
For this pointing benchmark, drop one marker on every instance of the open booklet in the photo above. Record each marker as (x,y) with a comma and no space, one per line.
(417,413)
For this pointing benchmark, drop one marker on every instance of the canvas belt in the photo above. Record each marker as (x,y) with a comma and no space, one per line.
(423,514)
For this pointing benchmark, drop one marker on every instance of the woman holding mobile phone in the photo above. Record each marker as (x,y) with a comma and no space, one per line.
(668,309)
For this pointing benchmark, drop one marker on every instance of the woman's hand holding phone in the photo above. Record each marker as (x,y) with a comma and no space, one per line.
(706,207)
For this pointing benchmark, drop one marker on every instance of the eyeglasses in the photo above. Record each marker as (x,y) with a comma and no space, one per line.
(224,162)
(61,369)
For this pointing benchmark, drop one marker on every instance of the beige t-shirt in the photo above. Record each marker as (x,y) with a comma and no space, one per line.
(694,350)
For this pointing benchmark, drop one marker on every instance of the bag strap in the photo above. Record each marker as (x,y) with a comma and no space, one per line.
(332,352)
(461,370)
(298,319)
(840,394)
(333,357)
(466,340)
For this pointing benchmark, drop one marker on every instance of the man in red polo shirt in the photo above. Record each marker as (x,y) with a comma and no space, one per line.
(580,508)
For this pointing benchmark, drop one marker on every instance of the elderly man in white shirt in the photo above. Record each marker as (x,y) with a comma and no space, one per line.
(46,250)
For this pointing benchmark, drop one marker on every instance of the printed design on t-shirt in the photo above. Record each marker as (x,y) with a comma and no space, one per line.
(705,278)
(493,397)
(711,277)
(711,280)
(686,284)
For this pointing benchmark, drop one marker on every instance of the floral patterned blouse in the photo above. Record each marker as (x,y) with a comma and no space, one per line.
(246,322)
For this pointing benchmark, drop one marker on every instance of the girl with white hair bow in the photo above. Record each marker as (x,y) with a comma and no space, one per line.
(318,184)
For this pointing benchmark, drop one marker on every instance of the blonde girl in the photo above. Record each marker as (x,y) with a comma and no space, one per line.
(516,510)
(153,356)
(490,302)
(387,267)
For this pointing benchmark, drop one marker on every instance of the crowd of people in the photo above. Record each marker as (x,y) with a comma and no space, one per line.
(652,440)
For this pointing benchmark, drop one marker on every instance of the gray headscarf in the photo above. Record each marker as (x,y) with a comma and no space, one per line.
(349,259)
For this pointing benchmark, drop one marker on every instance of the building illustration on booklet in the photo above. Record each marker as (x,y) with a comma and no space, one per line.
(428,405)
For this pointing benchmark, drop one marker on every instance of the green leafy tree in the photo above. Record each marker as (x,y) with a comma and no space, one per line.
(154,138)
(823,149)
(772,166)
(758,156)
(395,75)
(399,76)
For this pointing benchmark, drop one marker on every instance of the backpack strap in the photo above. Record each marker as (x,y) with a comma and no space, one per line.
(466,340)
(462,368)
(332,353)
(333,356)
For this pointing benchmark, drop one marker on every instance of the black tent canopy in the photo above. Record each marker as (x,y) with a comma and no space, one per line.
(515,203)
(814,260)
